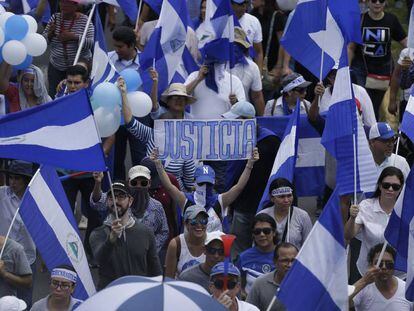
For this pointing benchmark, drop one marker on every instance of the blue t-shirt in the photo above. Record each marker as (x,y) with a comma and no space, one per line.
(253,263)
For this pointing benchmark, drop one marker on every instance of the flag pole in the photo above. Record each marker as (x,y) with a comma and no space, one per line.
(384,246)
(112,193)
(355,166)
(15,216)
(397,147)
(83,38)
(139,12)
(288,225)
(272,302)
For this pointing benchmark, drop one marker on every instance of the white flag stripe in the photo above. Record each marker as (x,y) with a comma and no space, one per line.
(330,271)
(286,150)
(56,218)
(99,64)
(342,91)
(67,137)
(311,153)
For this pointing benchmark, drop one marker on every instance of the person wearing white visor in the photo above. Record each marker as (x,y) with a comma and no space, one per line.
(293,90)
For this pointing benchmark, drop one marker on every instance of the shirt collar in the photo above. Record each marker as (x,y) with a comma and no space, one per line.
(11,194)
(135,60)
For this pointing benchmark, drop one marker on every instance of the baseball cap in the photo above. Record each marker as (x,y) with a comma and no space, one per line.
(214,235)
(381,130)
(139,171)
(240,109)
(192,211)
(119,186)
(155,178)
(205,173)
(12,303)
(219,269)
(240,37)
(292,81)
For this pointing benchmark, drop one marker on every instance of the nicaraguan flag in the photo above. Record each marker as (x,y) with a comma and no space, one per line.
(285,161)
(167,45)
(102,68)
(319,273)
(410,40)
(61,133)
(400,233)
(155,5)
(129,7)
(29,5)
(49,219)
(341,124)
(407,124)
(320,26)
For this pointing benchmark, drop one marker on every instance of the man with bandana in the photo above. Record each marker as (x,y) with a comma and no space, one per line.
(122,245)
(62,284)
(204,195)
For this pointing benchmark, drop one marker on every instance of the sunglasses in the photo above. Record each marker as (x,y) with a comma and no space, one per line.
(380,1)
(266,231)
(387,185)
(389,265)
(63,286)
(136,182)
(195,222)
(213,250)
(219,284)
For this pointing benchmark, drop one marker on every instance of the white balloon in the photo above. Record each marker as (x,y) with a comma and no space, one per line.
(4,17)
(35,44)
(14,52)
(2,9)
(32,23)
(107,121)
(140,103)
(1,37)
(287,5)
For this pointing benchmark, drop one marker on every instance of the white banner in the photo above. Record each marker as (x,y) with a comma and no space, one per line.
(208,140)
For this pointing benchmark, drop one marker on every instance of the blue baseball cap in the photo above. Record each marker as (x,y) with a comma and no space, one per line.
(204,174)
(219,269)
(381,130)
(239,1)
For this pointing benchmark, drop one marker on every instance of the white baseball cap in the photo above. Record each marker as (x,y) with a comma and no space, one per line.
(12,303)
(214,235)
(139,171)
(240,109)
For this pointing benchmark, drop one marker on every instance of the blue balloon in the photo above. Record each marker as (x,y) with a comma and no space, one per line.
(26,63)
(132,79)
(16,27)
(107,96)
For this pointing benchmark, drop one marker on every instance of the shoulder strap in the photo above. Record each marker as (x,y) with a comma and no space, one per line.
(178,251)
(269,38)
(286,227)
(274,106)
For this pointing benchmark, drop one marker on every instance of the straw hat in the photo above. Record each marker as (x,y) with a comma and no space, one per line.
(240,37)
(177,89)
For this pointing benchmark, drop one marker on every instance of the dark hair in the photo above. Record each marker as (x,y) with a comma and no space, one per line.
(67,267)
(76,70)
(87,62)
(377,249)
(283,182)
(125,35)
(388,171)
(262,217)
(282,245)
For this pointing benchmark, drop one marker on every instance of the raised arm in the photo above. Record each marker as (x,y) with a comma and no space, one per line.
(231,195)
(351,228)
(200,77)
(5,73)
(154,89)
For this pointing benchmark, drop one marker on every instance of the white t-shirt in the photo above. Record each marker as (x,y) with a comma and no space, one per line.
(397,161)
(252,27)
(249,75)
(370,299)
(278,109)
(209,104)
(368,115)
(245,306)
(374,221)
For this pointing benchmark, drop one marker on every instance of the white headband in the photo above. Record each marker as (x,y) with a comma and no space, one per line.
(281,191)
(64,274)
(291,85)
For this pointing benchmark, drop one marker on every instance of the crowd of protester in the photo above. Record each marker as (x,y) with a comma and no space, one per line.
(169,219)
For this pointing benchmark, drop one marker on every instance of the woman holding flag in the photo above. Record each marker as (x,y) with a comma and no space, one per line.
(292,223)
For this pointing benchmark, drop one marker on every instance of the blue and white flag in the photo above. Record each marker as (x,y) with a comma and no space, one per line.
(29,5)
(410,39)
(49,219)
(400,233)
(341,127)
(155,5)
(407,124)
(129,7)
(102,68)
(319,273)
(217,42)
(61,133)
(167,46)
(285,161)
(322,26)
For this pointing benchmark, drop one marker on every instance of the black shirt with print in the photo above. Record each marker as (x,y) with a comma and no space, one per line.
(376,37)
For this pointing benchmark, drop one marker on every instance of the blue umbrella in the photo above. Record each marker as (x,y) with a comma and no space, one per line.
(143,293)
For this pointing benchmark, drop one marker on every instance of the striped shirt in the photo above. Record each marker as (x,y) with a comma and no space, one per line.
(60,59)
(182,170)
(154,218)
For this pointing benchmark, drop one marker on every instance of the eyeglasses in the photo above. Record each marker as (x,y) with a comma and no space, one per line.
(387,185)
(195,222)
(219,284)
(119,196)
(266,231)
(213,250)
(142,183)
(62,285)
(387,264)
(380,1)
